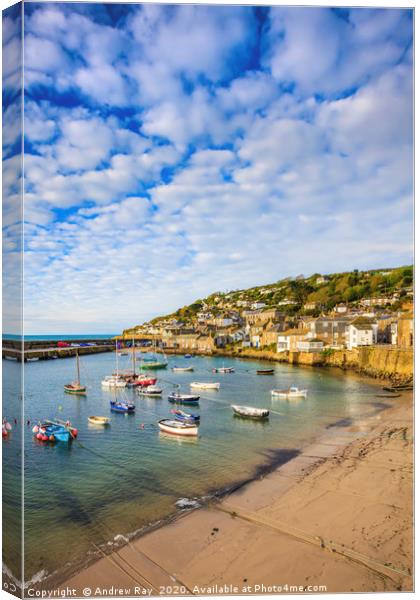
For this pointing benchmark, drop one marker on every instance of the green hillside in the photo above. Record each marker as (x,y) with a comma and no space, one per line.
(325,291)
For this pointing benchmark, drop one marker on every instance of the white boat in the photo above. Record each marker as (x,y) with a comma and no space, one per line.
(113,381)
(182,369)
(292,392)
(250,412)
(150,390)
(224,370)
(177,427)
(35,358)
(202,385)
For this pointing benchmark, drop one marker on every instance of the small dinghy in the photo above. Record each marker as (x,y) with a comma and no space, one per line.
(292,392)
(265,372)
(224,370)
(250,412)
(177,427)
(122,407)
(185,417)
(99,420)
(179,398)
(205,386)
(150,390)
(182,369)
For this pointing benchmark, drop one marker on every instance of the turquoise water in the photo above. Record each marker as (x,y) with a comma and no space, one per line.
(113,482)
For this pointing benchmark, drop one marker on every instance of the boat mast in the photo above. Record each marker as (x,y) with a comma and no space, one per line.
(116,354)
(133,351)
(78,367)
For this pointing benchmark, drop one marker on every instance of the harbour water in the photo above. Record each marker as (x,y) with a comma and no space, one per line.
(109,484)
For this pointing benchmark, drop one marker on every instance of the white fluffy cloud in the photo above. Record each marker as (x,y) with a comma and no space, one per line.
(176,150)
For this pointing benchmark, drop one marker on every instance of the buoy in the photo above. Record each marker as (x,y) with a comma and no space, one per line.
(74,432)
(39,436)
(45,438)
(52,438)
(4,433)
(141,425)
(35,429)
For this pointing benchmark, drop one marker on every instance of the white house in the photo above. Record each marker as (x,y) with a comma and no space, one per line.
(310,345)
(258,305)
(361,332)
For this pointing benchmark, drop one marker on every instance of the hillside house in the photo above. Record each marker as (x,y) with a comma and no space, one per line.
(361,332)
(310,345)
(321,279)
(331,330)
(270,333)
(341,308)
(262,317)
(258,305)
(288,340)
(405,331)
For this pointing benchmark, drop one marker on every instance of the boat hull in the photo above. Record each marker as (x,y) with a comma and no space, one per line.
(153,366)
(80,391)
(205,386)
(190,400)
(127,409)
(249,412)
(102,421)
(184,429)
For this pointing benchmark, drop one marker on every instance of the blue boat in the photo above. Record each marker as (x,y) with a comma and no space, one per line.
(122,407)
(51,431)
(187,355)
(185,417)
(178,398)
(60,433)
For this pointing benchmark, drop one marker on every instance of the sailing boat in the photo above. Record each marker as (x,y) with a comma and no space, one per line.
(115,380)
(153,363)
(75,387)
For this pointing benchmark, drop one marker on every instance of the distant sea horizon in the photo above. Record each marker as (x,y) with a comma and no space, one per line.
(62,336)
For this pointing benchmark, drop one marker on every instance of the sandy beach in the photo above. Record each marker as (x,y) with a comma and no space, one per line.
(336,518)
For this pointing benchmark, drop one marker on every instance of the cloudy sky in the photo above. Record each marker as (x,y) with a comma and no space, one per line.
(173,151)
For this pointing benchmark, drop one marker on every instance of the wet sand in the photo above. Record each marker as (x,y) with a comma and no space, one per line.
(339,515)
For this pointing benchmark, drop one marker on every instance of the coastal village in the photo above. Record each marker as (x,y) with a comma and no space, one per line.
(317,315)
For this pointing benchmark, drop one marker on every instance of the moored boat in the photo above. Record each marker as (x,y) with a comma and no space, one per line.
(153,364)
(223,370)
(76,387)
(182,369)
(292,392)
(122,407)
(179,398)
(113,381)
(177,427)
(55,431)
(250,412)
(96,420)
(150,390)
(265,372)
(180,415)
(202,385)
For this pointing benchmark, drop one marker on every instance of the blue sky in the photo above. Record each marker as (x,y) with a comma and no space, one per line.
(172,151)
